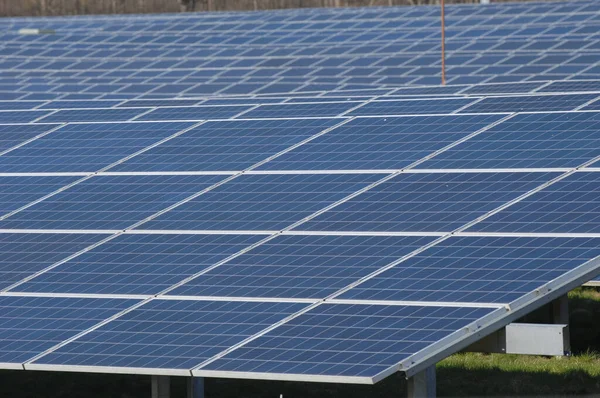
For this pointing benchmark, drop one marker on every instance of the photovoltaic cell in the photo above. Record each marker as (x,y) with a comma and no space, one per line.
(542,140)
(570,205)
(25,254)
(15,134)
(426,202)
(93,115)
(300,110)
(195,113)
(226,145)
(21,116)
(411,107)
(138,264)
(478,269)
(31,325)
(261,202)
(66,104)
(16,192)
(85,147)
(170,334)
(379,143)
(347,340)
(297,266)
(530,103)
(18,105)
(106,202)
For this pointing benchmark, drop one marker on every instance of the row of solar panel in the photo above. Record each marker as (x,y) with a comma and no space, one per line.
(531,103)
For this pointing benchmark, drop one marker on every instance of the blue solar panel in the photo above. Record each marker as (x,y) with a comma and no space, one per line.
(347,340)
(31,325)
(21,116)
(426,202)
(301,266)
(411,107)
(104,202)
(15,134)
(530,103)
(569,86)
(541,140)
(17,105)
(226,145)
(16,192)
(157,102)
(25,254)
(171,334)
(195,113)
(138,264)
(73,104)
(478,269)
(86,147)
(570,205)
(379,143)
(300,110)
(261,202)
(93,115)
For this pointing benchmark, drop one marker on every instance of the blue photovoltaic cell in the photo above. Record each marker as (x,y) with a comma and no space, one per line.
(527,141)
(347,340)
(262,202)
(195,113)
(411,107)
(478,269)
(93,115)
(426,202)
(66,104)
(298,266)
(15,134)
(86,147)
(568,86)
(595,106)
(21,116)
(158,102)
(226,145)
(502,88)
(139,264)
(31,325)
(171,334)
(300,110)
(16,105)
(25,254)
(530,103)
(379,143)
(16,192)
(107,202)
(570,205)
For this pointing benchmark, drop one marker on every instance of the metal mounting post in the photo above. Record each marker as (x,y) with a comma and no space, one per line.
(161,387)
(422,385)
(195,387)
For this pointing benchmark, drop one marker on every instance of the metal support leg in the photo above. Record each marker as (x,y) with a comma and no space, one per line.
(422,385)
(161,387)
(560,315)
(195,387)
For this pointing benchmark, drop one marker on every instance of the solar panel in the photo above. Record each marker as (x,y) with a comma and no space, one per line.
(102,202)
(93,115)
(194,113)
(21,116)
(542,140)
(31,325)
(411,107)
(86,147)
(426,202)
(301,266)
(345,340)
(300,110)
(478,269)
(569,205)
(530,103)
(379,143)
(226,145)
(261,202)
(138,339)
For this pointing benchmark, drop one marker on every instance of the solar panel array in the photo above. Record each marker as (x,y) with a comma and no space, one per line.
(280,195)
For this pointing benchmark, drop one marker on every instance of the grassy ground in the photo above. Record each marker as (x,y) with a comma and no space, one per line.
(465,374)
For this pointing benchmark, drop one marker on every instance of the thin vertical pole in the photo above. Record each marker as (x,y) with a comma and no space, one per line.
(443,44)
